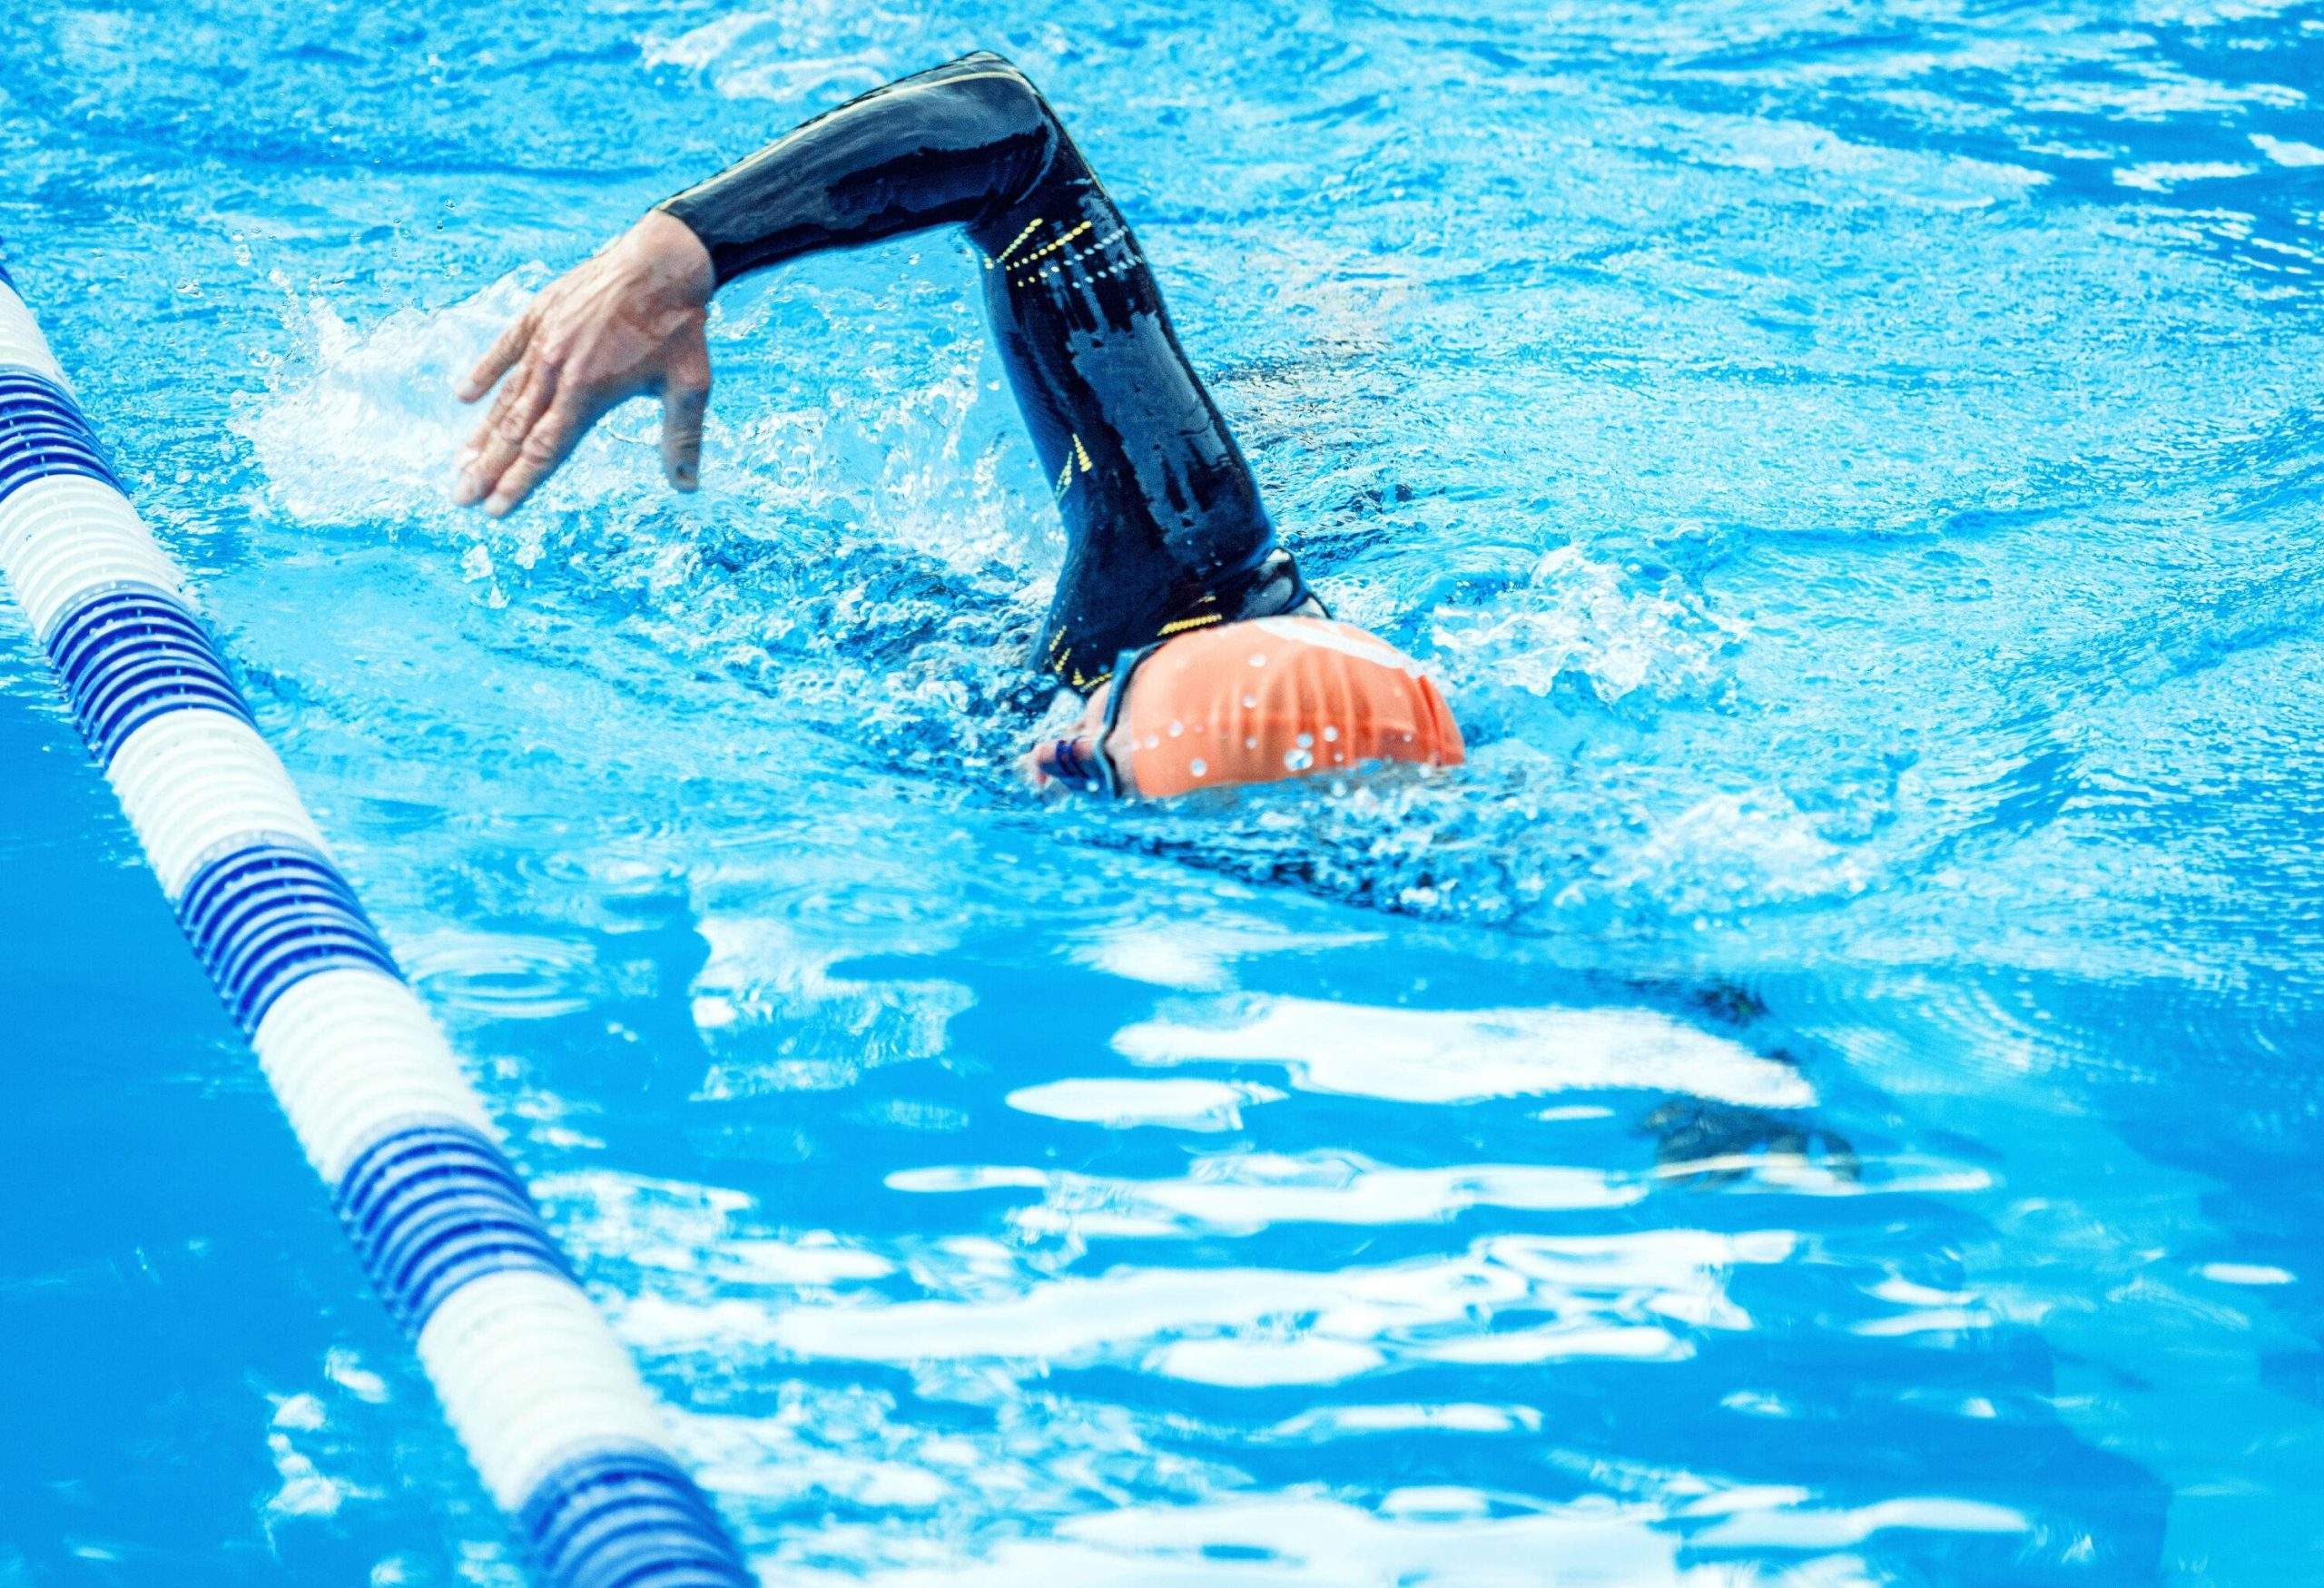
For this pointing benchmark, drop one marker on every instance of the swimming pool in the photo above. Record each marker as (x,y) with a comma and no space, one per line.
(1822,1099)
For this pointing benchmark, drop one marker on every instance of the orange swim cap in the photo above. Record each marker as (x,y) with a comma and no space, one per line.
(1273,698)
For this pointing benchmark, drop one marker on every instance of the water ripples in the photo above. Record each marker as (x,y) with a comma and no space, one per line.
(1822,1098)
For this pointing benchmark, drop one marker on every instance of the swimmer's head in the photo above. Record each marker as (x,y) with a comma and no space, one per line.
(1261,701)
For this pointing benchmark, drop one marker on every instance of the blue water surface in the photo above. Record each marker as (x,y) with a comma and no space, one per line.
(1828,1097)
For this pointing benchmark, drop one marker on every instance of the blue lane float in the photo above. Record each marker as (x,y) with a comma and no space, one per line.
(551,1409)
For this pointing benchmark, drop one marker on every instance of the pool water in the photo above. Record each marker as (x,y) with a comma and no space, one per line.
(1828,1096)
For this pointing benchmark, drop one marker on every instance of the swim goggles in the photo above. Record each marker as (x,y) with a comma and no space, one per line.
(1094,773)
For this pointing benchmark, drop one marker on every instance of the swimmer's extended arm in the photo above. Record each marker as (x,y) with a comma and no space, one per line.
(951,146)
(1165,529)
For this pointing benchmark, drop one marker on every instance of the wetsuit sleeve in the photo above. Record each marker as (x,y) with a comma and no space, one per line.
(1164,528)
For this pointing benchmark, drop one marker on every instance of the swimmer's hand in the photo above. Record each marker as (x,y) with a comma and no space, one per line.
(626,324)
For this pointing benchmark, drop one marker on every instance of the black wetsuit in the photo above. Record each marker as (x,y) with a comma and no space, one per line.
(1164,524)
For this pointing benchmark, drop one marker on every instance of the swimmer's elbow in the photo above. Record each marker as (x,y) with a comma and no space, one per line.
(1002,81)
(1010,99)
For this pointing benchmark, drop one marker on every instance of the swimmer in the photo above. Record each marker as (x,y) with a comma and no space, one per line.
(1201,656)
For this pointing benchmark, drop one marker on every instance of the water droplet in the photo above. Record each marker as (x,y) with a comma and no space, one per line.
(1330,733)
(1258,659)
(1298,760)
(1250,703)
(1251,743)
(1199,766)
(1176,728)
(1306,741)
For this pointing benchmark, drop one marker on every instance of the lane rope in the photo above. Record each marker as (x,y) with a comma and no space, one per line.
(568,1439)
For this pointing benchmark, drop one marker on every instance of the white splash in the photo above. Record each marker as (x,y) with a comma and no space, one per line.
(1576,617)
(358,426)
(1732,851)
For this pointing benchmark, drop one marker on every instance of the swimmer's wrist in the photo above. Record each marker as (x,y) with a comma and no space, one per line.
(697,214)
(676,259)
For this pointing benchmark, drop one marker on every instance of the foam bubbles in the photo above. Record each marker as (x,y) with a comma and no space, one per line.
(1574,617)
(360,425)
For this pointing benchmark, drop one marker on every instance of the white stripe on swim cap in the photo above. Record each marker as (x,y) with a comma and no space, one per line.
(1331,637)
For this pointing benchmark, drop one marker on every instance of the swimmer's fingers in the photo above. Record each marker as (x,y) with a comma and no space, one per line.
(522,402)
(498,359)
(545,445)
(686,397)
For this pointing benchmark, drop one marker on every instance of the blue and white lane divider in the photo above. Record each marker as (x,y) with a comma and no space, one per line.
(553,1412)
